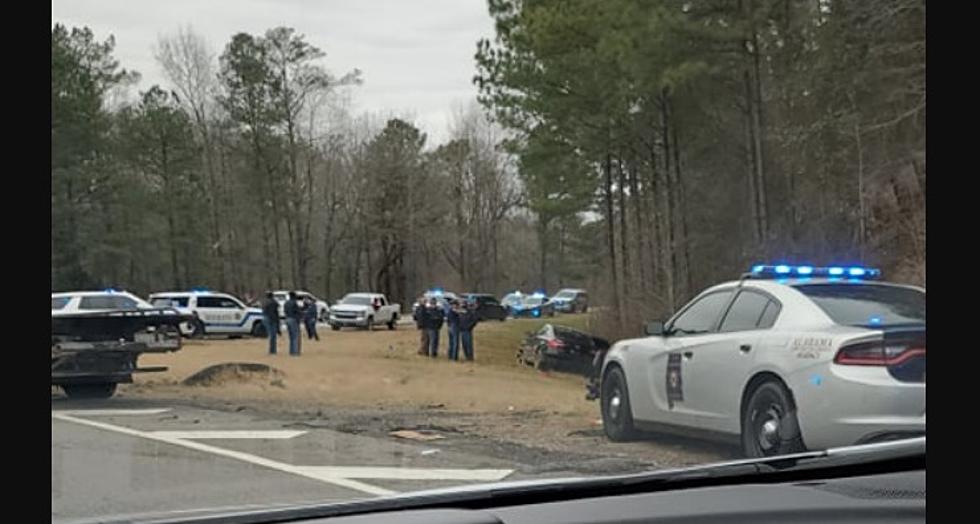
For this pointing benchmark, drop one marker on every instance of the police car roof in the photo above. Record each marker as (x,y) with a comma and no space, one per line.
(170,294)
(766,283)
(89,293)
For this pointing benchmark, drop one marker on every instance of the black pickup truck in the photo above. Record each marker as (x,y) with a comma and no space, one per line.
(92,352)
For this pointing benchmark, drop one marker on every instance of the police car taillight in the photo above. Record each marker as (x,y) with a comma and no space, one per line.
(878,353)
(555,344)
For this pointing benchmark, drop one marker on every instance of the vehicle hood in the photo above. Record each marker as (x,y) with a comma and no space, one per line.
(349,308)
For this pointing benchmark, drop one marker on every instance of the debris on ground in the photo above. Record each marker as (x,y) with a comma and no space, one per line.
(234,372)
(416,435)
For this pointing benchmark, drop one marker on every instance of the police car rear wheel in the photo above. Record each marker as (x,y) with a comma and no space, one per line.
(258,330)
(769,425)
(196,329)
(617,417)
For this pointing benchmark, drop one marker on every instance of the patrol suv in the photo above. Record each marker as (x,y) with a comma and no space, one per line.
(216,313)
(786,359)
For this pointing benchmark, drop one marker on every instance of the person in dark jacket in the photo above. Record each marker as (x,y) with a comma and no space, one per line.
(270,319)
(468,318)
(452,325)
(310,318)
(418,314)
(294,316)
(433,318)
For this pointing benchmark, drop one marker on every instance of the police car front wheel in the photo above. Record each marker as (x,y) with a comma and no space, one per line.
(769,424)
(617,417)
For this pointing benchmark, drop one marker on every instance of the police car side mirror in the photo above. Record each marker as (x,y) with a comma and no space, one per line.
(654,329)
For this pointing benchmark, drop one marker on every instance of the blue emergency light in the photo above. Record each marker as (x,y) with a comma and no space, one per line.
(199,290)
(538,294)
(784,271)
(110,290)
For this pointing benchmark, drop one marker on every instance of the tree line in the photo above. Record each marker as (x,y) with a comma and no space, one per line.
(641,149)
(702,136)
(248,172)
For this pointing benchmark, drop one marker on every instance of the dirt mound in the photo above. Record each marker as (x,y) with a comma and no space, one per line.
(237,373)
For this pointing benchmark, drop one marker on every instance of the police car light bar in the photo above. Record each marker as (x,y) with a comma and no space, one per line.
(787,271)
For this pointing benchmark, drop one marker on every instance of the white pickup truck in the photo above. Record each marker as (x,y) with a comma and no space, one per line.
(364,310)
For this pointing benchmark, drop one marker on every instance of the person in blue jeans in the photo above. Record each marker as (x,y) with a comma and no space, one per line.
(270,319)
(452,325)
(468,318)
(294,316)
(433,324)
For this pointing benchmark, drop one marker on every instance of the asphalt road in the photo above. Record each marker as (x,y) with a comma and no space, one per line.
(123,457)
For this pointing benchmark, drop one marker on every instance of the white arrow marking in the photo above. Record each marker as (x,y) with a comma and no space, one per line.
(238,455)
(109,412)
(200,435)
(391,473)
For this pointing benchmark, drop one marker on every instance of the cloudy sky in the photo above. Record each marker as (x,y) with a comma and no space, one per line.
(416,56)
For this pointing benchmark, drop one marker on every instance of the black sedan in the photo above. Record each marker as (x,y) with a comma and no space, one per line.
(560,348)
(487,306)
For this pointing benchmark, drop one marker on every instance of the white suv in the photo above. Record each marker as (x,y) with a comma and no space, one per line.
(217,313)
(96,301)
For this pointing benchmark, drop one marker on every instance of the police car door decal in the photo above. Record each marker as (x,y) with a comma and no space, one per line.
(675,386)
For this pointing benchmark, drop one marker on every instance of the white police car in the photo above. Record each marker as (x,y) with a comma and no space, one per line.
(95,301)
(787,358)
(217,313)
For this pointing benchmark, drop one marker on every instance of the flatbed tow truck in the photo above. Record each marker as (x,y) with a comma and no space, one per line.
(93,352)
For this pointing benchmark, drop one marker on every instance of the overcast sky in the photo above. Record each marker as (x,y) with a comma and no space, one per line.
(416,56)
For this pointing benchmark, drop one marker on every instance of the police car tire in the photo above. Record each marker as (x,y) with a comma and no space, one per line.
(105,390)
(771,393)
(621,428)
(258,330)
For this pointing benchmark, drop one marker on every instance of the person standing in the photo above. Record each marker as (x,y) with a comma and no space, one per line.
(294,315)
(468,319)
(433,323)
(452,324)
(309,318)
(270,319)
(418,314)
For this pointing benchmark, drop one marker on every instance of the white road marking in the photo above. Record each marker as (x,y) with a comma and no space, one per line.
(200,435)
(397,473)
(238,455)
(110,412)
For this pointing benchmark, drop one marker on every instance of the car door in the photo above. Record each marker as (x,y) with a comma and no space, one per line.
(220,314)
(664,360)
(719,368)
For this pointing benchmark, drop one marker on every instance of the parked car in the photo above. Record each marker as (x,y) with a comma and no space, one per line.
(487,307)
(364,310)
(560,347)
(571,301)
(322,309)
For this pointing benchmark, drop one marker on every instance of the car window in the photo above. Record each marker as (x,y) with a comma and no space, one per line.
(60,302)
(745,312)
(769,315)
(217,302)
(701,316)
(170,301)
(106,302)
(868,304)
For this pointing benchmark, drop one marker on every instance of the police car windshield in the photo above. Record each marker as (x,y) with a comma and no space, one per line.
(356,300)
(868,304)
